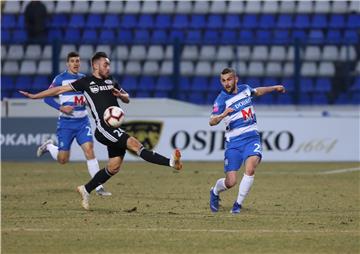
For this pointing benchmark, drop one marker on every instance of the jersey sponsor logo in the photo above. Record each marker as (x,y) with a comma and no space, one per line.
(79,100)
(242,103)
(94,89)
(108,81)
(106,88)
(92,83)
(247,113)
(215,108)
(147,132)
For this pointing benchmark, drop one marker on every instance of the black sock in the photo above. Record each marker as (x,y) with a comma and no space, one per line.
(101,177)
(153,157)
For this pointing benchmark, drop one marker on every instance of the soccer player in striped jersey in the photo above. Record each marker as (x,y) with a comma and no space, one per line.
(234,106)
(73,122)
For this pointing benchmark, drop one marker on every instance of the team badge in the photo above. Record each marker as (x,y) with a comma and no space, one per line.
(94,89)
(147,132)
(108,81)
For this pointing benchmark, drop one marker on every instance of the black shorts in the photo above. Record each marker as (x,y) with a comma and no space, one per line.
(114,139)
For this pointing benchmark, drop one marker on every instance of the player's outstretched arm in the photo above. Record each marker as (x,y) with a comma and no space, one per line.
(49,92)
(268,89)
(216,119)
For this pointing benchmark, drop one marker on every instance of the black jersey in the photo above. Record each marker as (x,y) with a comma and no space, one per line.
(98,95)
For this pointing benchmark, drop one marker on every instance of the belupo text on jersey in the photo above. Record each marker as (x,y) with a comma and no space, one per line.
(240,123)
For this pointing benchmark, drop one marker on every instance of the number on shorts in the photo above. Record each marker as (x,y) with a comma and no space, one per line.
(257,148)
(89,133)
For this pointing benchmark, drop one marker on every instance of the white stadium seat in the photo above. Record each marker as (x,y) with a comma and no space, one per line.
(86,52)
(330,53)
(15,52)
(185,7)
(308,69)
(81,7)
(326,69)
(155,52)
(253,6)
(186,67)
(270,7)
(151,68)
(218,7)
(132,7)
(33,52)
(260,53)
(312,53)
(203,68)
(235,7)
(149,7)
(347,53)
(240,67)
(45,67)
(207,52)
(201,7)
(287,6)
(256,69)
(133,68)
(288,69)
(97,7)
(12,7)
(244,52)
(277,53)
(225,53)
(65,49)
(218,66)
(273,69)
(322,7)
(190,53)
(63,7)
(304,7)
(104,48)
(10,67)
(122,52)
(115,7)
(166,68)
(167,7)
(137,52)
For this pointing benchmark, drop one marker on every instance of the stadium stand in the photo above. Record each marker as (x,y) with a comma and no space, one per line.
(257,38)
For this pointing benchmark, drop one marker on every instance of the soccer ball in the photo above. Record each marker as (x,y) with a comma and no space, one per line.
(114,116)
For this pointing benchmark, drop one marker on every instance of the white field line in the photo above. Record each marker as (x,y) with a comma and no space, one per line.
(339,171)
(190,230)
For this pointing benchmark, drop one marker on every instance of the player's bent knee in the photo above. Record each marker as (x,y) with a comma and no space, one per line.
(63,160)
(229,183)
(133,144)
(114,170)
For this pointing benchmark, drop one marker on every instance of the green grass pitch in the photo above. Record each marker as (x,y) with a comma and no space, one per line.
(292,208)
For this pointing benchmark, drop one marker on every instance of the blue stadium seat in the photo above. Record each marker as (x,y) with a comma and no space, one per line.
(72,35)
(356,85)
(143,94)
(128,21)
(21,22)
(229,36)
(161,94)
(77,21)
(5,35)
(196,97)
(111,21)
(193,36)
(211,35)
(355,98)
(353,21)
(142,36)
(316,36)
(181,21)
(305,99)
(270,82)
(129,83)
(253,82)
(299,34)
(107,36)
(319,21)
(337,21)
(285,99)
(163,21)
(23,82)
(302,21)
(7,83)
(177,34)
(197,21)
(263,36)
(159,36)
(319,99)
(8,21)
(267,21)
(306,85)
(250,21)
(19,36)
(146,21)
(214,84)
(334,36)
(199,84)
(59,20)
(90,36)
(94,21)
(215,21)
(184,84)
(351,36)
(40,83)
(322,85)
(210,97)
(284,21)
(281,36)
(124,36)
(146,83)
(267,99)
(232,21)
(164,83)
(343,99)
(246,36)
(289,85)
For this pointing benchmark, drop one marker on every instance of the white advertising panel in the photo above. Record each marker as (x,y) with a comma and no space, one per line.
(283,138)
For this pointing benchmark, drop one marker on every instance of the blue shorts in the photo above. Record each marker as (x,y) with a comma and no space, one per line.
(69,129)
(236,155)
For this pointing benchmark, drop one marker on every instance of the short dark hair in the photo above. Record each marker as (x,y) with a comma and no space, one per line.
(228,70)
(72,54)
(97,56)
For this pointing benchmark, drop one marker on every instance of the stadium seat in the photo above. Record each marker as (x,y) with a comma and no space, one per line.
(129,83)
(23,82)
(214,21)
(193,36)
(59,21)
(63,7)
(319,21)
(267,21)
(306,85)
(330,53)
(270,7)
(287,7)
(232,21)
(199,83)
(15,52)
(128,21)
(85,52)
(142,36)
(162,21)
(132,7)
(322,7)
(207,52)
(326,69)
(166,67)
(27,67)
(211,35)
(159,36)
(201,7)
(225,53)
(19,36)
(319,99)
(55,34)
(277,53)
(90,36)
(190,52)
(5,35)
(80,7)
(196,98)
(263,36)
(229,36)
(133,68)
(336,21)
(151,68)
(250,21)
(312,53)
(181,21)
(246,36)
(45,67)
(115,7)
(259,53)
(149,7)
(124,36)
(304,7)
(203,68)
(146,21)
(13,7)
(302,21)
(111,21)
(8,21)
(322,85)
(107,36)
(77,21)
(40,83)
(253,7)
(97,7)
(146,83)
(164,83)
(183,7)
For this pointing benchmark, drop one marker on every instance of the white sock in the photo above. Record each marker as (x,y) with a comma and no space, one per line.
(244,188)
(219,186)
(93,168)
(54,150)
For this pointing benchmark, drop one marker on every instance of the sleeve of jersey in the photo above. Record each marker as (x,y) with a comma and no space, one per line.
(218,108)
(78,85)
(51,100)
(252,90)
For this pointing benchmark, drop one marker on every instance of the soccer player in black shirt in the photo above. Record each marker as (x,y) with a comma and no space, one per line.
(101,92)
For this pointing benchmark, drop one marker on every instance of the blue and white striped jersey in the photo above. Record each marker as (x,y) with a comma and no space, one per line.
(75,99)
(241,123)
